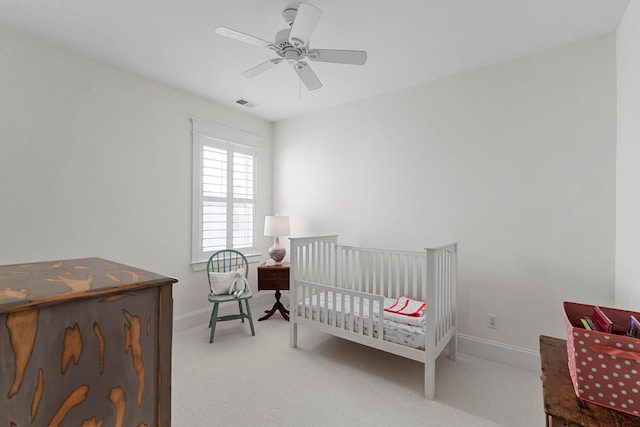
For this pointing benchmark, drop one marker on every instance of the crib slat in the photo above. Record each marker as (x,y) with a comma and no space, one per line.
(393,272)
(390,287)
(378,271)
(380,321)
(386,290)
(419,286)
(367,269)
(437,287)
(303,297)
(310,296)
(352,320)
(405,276)
(317,294)
(360,314)
(335,310)
(313,261)
(371,319)
(357,270)
(446,296)
(324,262)
(307,263)
(351,260)
(342,312)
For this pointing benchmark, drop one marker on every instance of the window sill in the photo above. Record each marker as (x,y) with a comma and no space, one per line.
(202,265)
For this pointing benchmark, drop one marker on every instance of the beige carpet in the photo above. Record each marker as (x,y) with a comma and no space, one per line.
(241,380)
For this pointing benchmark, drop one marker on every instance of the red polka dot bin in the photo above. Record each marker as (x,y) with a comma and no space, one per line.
(604,367)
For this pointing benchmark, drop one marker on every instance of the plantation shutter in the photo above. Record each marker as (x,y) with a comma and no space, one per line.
(228,184)
(214,199)
(243,200)
(224,190)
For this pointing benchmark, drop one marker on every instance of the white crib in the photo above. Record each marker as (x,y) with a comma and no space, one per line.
(355,281)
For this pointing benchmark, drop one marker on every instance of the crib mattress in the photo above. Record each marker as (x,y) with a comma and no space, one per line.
(399,333)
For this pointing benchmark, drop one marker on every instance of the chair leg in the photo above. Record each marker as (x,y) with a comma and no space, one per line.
(253,332)
(211,317)
(241,312)
(214,318)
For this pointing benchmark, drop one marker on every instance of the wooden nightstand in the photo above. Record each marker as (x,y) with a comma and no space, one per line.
(274,277)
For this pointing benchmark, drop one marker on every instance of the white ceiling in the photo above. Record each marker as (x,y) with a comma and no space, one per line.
(408,41)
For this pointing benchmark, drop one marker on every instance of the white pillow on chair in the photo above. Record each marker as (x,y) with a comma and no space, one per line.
(221,282)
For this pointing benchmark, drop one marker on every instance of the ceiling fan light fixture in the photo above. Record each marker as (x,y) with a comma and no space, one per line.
(291,56)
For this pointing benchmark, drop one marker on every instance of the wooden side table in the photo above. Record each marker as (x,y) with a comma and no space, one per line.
(561,405)
(274,277)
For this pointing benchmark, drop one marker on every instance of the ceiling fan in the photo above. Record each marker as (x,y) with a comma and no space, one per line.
(292,46)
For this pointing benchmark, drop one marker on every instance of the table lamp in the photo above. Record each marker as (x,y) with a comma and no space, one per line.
(276,226)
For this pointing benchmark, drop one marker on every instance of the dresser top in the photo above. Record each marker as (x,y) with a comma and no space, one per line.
(24,286)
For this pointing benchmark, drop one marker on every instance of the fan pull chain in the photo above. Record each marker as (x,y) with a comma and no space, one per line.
(299,88)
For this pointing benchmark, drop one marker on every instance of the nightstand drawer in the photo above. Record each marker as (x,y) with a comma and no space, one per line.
(273,274)
(270,284)
(273,278)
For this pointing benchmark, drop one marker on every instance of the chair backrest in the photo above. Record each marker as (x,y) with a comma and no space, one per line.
(226,260)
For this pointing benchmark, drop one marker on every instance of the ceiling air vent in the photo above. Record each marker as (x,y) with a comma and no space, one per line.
(245,103)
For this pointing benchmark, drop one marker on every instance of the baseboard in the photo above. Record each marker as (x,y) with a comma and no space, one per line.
(201,317)
(497,352)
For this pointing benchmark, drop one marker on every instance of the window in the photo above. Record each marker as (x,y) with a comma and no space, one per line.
(224,190)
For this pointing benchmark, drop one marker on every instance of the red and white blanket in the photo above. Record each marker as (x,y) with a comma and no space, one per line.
(405,310)
(406,307)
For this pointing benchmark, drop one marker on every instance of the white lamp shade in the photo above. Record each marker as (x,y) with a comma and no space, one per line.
(276,225)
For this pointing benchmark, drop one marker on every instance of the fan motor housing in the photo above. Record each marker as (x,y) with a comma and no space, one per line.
(282,38)
(290,53)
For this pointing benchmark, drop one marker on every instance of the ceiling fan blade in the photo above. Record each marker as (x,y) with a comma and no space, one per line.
(307,18)
(261,68)
(353,57)
(308,77)
(237,35)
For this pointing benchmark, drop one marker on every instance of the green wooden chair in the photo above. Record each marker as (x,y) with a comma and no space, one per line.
(224,261)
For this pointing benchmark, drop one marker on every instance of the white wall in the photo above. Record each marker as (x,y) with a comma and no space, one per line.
(516,161)
(628,161)
(97,162)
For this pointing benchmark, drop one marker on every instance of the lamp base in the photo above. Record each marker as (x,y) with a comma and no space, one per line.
(277,252)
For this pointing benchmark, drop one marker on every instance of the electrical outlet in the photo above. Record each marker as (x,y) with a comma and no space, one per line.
(492,321)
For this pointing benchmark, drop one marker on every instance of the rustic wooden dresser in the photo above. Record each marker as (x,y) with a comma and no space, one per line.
(84,342)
